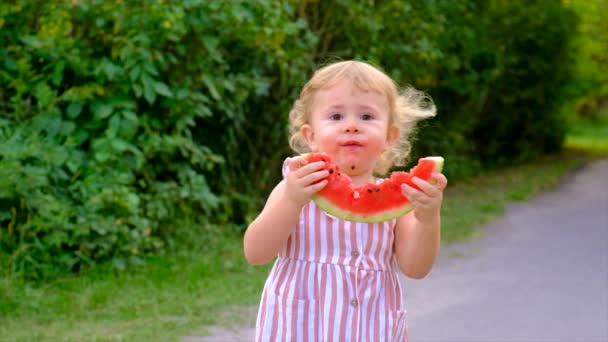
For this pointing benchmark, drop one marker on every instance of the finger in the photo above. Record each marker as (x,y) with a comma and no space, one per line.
(314,177)
(310,168)
(426,187)
(317,186)
(413,195)
(296,163)
(440,180)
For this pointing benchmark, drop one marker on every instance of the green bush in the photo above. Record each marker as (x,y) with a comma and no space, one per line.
(521,118)
(117,117)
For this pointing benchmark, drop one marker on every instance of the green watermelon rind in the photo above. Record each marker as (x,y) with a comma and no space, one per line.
(376,218)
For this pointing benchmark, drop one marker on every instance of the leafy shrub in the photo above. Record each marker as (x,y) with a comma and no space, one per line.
(116,118)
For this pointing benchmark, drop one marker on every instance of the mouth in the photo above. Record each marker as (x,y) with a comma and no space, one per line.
(352,143)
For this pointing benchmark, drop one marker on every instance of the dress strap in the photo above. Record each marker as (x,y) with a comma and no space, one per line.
(285,168)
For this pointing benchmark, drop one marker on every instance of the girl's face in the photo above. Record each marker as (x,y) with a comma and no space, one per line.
(351,126)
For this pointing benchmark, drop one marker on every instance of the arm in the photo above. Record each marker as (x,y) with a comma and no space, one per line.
(266,235)
(417,234)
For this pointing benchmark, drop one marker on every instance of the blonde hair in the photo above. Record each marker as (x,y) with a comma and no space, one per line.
(406,106)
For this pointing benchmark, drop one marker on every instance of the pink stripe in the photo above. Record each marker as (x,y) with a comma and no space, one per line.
(290,280)
(380,234)
(294,292)
(388,244)
(261,317)
(368,313)
(318,241)
(398,289)
(376,314)
(364,244)
(306,317)
(304,237)
(329,229)
(280,275)
(364,303)
(289,245)
(373,300)
(322,295)
(331,326)
(342,242)
(295,246)
(350,294)
(373,237)
(353,242)
(355,325)
(387,333)
(274,321)
(282,322)
(346,302)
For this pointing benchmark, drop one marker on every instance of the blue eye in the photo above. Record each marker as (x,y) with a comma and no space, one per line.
(366,116)
(335,116)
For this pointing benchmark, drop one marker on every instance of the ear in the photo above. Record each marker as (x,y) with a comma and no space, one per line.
(308,134)
(393,135)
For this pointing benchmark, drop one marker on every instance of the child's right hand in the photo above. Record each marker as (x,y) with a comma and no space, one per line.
(304,180)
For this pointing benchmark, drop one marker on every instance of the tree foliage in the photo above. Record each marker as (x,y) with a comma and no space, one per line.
(589,89)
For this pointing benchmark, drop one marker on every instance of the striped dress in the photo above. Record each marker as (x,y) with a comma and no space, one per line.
(333,280)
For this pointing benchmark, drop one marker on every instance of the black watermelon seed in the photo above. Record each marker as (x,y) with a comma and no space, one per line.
(369,190)
(331,171)
(352,167)
(376,189)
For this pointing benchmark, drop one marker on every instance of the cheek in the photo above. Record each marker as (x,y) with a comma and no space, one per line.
(325,139)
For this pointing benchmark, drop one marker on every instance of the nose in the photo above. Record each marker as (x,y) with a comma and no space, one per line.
(351,127)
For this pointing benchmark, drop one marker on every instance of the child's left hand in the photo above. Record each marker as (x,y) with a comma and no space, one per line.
(427,200)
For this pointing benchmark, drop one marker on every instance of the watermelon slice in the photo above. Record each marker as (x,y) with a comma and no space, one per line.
(369,202)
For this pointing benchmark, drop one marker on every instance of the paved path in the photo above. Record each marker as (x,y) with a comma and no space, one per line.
(539,274)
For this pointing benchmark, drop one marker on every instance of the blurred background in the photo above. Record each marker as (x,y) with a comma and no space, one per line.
(138,138)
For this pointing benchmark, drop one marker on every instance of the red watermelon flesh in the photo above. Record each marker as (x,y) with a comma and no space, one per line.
(369,202)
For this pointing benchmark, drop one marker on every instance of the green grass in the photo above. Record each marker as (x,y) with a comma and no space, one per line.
(180,295)
(169,298)
(589,135)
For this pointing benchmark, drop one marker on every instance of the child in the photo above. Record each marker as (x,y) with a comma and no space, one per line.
(336,280)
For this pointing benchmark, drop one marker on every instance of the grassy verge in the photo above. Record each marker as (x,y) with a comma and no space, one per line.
(176,296)
(169,298)
(589,135)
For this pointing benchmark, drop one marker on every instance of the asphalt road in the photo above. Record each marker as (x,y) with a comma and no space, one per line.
(540,273)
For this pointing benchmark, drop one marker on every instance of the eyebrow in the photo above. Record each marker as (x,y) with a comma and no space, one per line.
(364,107)
(371,108)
